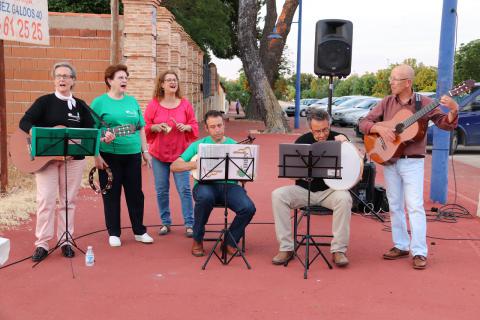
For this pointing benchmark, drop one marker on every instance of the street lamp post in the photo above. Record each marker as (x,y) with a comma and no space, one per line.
(297,80)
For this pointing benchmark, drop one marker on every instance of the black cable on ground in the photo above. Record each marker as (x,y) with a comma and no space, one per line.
(449,213)
(148,226)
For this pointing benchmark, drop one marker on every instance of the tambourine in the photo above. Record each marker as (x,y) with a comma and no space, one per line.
(97,188)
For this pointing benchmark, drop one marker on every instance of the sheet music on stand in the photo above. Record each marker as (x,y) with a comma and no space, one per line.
(241,166)
(325,156)
(52,141)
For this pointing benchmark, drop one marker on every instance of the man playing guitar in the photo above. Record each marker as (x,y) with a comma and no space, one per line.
(404,175)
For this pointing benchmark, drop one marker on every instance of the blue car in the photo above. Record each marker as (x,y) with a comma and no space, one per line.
(468,131)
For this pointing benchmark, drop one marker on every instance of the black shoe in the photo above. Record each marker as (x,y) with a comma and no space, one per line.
(67,251)
(39,254)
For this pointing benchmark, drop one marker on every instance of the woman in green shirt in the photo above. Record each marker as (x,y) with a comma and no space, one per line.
(123,156)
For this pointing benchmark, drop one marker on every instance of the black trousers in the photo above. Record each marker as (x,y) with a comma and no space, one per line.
(127,173)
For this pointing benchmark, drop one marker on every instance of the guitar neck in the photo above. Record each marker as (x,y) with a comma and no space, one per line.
(119,131)
(420,113)
(414,118)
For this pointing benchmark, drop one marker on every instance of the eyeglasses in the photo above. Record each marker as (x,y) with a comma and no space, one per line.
(324,131)
(397,80)
(63,76)
(170,80)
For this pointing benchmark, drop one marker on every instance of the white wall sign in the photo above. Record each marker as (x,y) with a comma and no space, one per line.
(24,21)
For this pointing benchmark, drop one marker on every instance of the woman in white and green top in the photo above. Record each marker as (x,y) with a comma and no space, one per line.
(123,156)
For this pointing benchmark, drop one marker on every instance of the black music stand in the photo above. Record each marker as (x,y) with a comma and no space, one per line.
(305,161)
(65,142)
(246,173)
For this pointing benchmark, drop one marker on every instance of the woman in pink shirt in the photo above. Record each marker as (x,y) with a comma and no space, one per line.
(170,127)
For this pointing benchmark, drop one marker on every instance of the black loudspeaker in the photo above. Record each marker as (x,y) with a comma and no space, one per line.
(380,200)
(365,189)
(333,47)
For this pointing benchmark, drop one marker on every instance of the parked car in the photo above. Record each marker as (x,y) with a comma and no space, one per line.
(352,105)
(468,131)
(336,102)
(304,103)
(349,117)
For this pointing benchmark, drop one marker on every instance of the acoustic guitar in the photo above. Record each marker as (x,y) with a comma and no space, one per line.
(20,149)
(406,128)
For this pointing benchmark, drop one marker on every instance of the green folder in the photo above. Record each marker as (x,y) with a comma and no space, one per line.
(65,142)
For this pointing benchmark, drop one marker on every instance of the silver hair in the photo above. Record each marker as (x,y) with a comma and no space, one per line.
(317,114)
(65,65)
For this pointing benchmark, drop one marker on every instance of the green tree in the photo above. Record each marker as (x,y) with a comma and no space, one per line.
(382,86)
(237,89)
(305,80)
(212,24)
(365,84)
(467,62)
(319,87)
(291,93)
(86,6)
(426,79)
(412,62)
(281,88)
(345,87)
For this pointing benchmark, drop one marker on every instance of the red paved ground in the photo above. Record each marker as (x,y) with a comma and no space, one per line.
(163,280)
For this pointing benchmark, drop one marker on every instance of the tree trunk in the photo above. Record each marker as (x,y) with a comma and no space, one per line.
(271,50)
(257,78)
(254,111)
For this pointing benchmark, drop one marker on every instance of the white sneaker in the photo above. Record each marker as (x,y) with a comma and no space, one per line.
(114,241)
(145,238)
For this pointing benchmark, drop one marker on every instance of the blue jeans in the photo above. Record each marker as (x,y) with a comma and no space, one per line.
(404,181)
(161,173)
(208,195)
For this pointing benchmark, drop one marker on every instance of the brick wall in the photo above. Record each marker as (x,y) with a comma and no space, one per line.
(28,67)
(177,51)
(146,48)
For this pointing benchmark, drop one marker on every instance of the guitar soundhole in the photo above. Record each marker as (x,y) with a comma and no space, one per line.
(382,143)
(399,128)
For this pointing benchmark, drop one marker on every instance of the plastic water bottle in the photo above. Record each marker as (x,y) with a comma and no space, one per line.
(89,257)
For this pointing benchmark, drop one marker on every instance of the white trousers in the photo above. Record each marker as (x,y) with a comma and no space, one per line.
(404,181)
